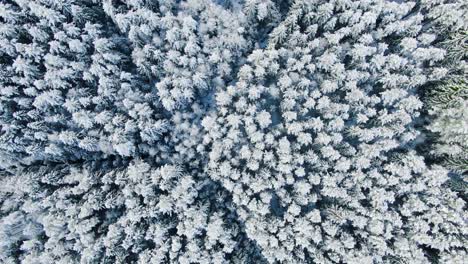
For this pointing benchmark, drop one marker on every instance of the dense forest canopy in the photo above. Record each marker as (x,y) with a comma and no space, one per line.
(233,131)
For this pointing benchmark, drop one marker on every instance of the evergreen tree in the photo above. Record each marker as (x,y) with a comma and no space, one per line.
(243,131)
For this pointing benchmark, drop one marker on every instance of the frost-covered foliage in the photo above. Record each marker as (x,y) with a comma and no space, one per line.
(230,131)
(101,213)
(315,139)
(68,88)
(185,52)
(447,106)
(447,103)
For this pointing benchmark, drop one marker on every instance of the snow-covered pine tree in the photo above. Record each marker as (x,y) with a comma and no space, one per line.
(214,131)
(119,212)
(320,156)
